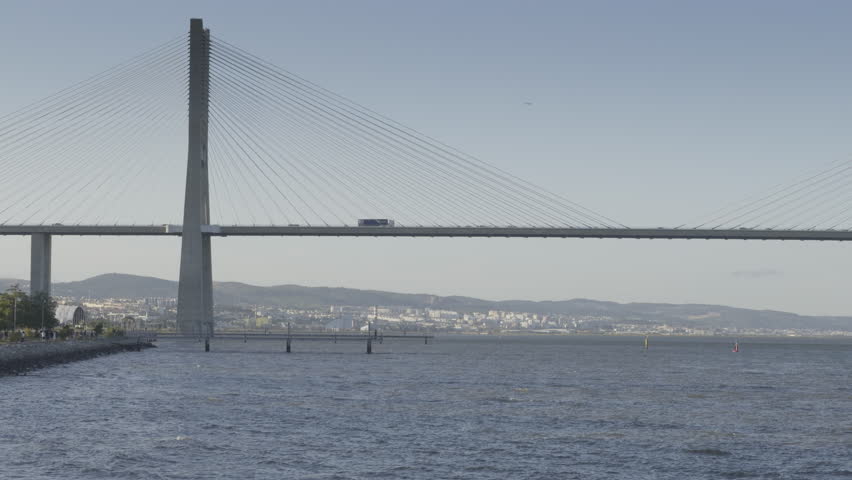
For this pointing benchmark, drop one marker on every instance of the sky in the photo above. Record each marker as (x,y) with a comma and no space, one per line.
(653,113)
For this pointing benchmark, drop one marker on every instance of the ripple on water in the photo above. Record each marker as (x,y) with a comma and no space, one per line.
(549,408)
(713,452)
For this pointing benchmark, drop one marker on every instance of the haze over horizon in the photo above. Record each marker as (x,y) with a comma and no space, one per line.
(654,114)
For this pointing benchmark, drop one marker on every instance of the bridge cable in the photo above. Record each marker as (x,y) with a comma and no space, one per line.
(406,153)
(402,129)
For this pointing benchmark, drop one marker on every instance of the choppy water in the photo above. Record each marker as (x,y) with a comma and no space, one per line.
(481,407)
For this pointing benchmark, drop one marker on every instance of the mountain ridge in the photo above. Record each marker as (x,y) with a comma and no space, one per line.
(118,285)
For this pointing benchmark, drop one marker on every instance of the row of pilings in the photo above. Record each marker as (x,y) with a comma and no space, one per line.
(19,358)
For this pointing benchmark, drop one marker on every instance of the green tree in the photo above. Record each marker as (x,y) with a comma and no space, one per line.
(43,311)
(19,310)
(13,305)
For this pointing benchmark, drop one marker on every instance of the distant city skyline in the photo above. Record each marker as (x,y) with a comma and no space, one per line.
(653,114)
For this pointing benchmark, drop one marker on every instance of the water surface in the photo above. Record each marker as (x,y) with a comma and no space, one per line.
(463,407)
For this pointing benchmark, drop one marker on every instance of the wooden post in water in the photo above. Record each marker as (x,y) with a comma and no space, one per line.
(369,345)
(206,344)
(288,337)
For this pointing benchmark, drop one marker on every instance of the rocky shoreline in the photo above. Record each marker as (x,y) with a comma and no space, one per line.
(19,358)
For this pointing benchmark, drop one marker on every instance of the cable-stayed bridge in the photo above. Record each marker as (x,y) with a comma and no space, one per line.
(272,154)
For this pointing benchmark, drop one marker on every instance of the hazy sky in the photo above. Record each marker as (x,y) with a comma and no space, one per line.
(654,113)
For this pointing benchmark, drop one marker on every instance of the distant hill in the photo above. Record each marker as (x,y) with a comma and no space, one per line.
(117,285)
(6,283)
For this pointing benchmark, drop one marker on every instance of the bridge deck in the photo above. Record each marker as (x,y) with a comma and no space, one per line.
(471,232)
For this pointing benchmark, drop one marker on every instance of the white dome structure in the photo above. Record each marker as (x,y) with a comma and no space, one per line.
(70,314)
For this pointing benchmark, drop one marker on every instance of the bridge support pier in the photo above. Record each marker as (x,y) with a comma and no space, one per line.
(195,287)
(40,249)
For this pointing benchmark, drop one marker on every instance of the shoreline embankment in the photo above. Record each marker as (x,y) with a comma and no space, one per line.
(19,358)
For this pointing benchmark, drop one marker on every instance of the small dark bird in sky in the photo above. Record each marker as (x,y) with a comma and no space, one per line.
(529,104)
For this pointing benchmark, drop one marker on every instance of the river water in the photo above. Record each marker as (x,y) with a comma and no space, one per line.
(463,407)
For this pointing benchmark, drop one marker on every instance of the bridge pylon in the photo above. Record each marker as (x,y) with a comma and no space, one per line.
(40,246)
(195,287)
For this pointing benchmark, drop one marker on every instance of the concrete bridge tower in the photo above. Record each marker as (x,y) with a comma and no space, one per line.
(40,263)
(195,289)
